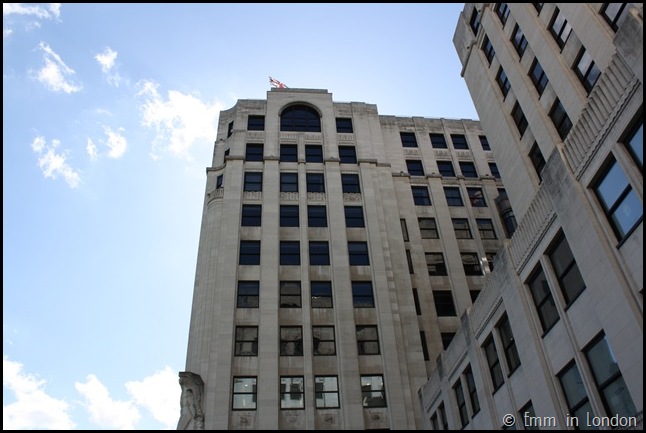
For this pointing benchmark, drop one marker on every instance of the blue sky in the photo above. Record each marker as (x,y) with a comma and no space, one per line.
(109,116)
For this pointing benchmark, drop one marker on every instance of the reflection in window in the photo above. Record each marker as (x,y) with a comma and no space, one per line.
(292,392)
(300,118)
(373,391)
(326,390)
(244,393)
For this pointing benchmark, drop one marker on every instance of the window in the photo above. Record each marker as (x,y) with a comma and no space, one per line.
(313,153)
(503,82)
(476,197)
(415,167)
(435,264)
(244,393)
(367,340)
(289,215)
(444,303)
(471,264)
(611,13)
(290,294)
(438,141)
(446,168)
(488,50)
(422,338)
(561,121)
(428,228)
(538,77)
(253,181)
(445,421)
(219,183)
(519,41)
(402,222)
(315,182)
(485,227)
(326,390)
(537,159)
(316,216)
(447,337)
(249,252)
(408,139)
(484,142)
(344,125)
(608,379)
(350,183)
(459,141)
(362,296)
(347,155)
(519,119)
(248,294)
(246,341)
(462,403)
(566,270)
(354,216)
(473,294)
(574,391)
(508,344)
(323,340)
(255,123)
(288,153)
(418,307)
(461,228)
(321,294)
(230,129)
(538,7)
(292,395)
(227,152)
(468,169)
(453,197)
(493,168)
(254,152)
(373,392)
(474,22)
(543,300)
(587,71)
(635,144)
(493,363)
(291,341)
(409,261)
(289,182)
(319,253)
(421,196)
(290,253)
(502,10)
(473,392)
(251,215)
(358,253)
(300,118)
(560,28)
(490,259)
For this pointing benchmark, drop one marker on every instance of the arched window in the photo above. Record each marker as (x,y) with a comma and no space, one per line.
(300,118)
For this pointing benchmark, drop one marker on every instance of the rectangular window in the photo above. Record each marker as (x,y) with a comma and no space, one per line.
(537,159)
(493,363)
(508,344)
(253,181)
(290,294)
(373,393)
(255,123)
(447,337)
(249,253)
(251,215)
(611,13)
(421,196)
(445,421)
(471,264)
(435,264)
(473,392)
(561,120)
(493,168)
(474,21)
(635,144)
(488,50)
(350,183)
(248,294)
(415,167)
(288,153)
(244,393)
(502,10)
(459,141)
(315,182)
(230,129)
(367,340)
(246,341)
(574,391)
(490,259)
(462,403)
(326,390)
(586,69)
(519,118)
(316,216)
(219,183)
(485,227)
(538,7)
(321,294)
(453,197)
(473,294)
(313,153)
(468,169)
(476,197)
(428,228)
(290,253)
(347,155)
(484,143)
(254,152)
(566,270)
(291,341)
(362,296)
(408,139)
(418,307)
(289,182)
(461,228)
(358,253)
(323,340)
(344,125)
(444,303)
(560,28)
(446,168)
(543,300)
(527,411)
(292,392)
(354,216)
(422,338)
(538,77)
(319,253)
(402,222)
(289,215)
(519,41)
(503,81)
(409,260)
(438,141)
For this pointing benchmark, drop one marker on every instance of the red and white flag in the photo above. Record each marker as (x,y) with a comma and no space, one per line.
(277,84)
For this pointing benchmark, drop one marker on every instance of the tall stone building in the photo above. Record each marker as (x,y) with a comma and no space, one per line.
(338,248)
(556,336)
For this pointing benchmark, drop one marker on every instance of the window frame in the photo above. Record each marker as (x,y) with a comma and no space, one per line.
(319,253)
(438,266)
(453,196)
(493,363)
(508,345)
(438,141)
(288,153)
(538,76)
(344,125)
(290,253)
(251,215)
(241,338)
(350,183)
(323,392)
(430,230)
(255,122)
(347,155)
(284,341)
(253,181)
(287,218)
(471,264)
(254,152)
(321,293)
(315,182)
(248,294)
(486,229)
(313,153)
(408,139)
(317,216)
(294,393)
(290,290)
(358,210)
(253,393)
(360,296)
(358,253)
(316,349)
(365,344)
(250,250)
(443,166)
(444,303)
(519,41)
(367,394)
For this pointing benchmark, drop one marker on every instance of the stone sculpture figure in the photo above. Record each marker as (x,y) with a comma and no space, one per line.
(191,415)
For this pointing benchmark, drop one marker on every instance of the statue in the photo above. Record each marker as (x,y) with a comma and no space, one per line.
(191,415)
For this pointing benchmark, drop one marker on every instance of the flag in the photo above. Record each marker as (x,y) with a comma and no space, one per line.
(275,83)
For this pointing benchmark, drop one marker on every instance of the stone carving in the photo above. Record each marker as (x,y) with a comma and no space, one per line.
(191,415)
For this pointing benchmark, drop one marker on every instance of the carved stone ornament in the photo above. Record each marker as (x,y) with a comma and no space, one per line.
(191,415)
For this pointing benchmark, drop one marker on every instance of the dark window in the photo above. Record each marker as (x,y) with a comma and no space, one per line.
(358,254)
(249,252)
(428,228)
(484,143)
(461,228)
(409,260)
(566,270)
(415,167)
(494,170)
(459,141)
(519,119)
(471,264)
(435,424)
(323,340)
(316,216)
(488,50)
(502,10)
(418,307)
(244,393)
(373,393)
(254,152)
(543,300)
(476,197)
(473,392)
(453,197)
(503,82)
(347,155)
(291,341)
(462,403)
(290,253)
(474,22)
(253,181)
(246,341)
(421,196)
(256,123)
(490,259)
(248,294)
(289,215)
(290,294)
(493,363)
(447,337)
(635,144)
(485,227)
(230,129)
(538,77)
(408,139)
(560,28)
(313,153)
(422,338)
(527,412)
(435,264)
(362,296)
(446,168)
(468,169)
(402,223)
(326,391)
(321,294)
(354,216)
(438,141)
(289,182)
(315,182)
(537,159)
(227,152)
(538,7)
(445,421)
(300,118)
(586,69)
(508,344)
(219,183)
(367,340)
(292,394)
(519,41)
(574,391)
(350,183)
(344,125)
(251,215)
(319,253)
(473,294)
(611,13)
(444,303)
(288,153)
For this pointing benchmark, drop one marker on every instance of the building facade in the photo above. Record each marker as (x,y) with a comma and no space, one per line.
(338,248)
(556,337)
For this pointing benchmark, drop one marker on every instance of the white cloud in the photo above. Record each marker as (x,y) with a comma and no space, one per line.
(53,10)
(56,75)
(33,408)
(6,32)
(107,61)
(160,394)
(103,410)
(53,163)
(91,150)
(116,142)
(179,121)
